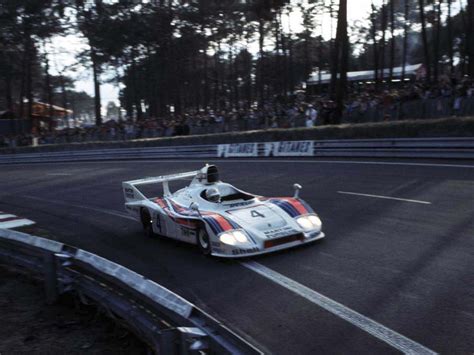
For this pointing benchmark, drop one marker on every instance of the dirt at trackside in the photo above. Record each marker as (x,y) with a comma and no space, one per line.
(28,324)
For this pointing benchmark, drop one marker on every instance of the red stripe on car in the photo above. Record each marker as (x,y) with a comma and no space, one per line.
(297,205)
(225,225)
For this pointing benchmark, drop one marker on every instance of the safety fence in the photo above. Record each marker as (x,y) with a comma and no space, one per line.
(165,321)
(437,148)
(355,112)
(407,110)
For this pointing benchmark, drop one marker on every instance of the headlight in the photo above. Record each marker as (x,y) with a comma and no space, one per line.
(315,221)
(233,238)
(227,238)
(308,223)
(305,223)
(240,237)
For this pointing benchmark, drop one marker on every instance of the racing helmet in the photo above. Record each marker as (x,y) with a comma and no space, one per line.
(213,195)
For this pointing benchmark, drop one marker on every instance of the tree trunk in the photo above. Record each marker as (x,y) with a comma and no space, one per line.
(8,91)
(437,11)
(291,72)
(248,70)
(405,39)
(424,36)
(64,97)
(261,65)
(279,79)
(464,48)
(383,41)
(96,78)
(335,58)
(205,82)
(375,44)
(470,37)
(342,57)
(29,77)
(21,93)
(450,39)
(392,39)
(49,91)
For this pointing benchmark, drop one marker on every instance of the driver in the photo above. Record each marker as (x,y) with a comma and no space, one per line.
(213,195)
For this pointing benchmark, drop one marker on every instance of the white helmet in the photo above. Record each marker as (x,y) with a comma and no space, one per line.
(213,195)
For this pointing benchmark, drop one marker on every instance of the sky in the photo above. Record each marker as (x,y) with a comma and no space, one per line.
(64,49)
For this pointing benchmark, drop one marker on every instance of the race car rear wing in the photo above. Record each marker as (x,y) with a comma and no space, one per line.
(131,193)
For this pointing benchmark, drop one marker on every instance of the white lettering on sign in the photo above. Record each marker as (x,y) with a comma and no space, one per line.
(289,149)
(237,150)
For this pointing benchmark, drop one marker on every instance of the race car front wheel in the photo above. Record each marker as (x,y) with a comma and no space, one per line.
(203,242)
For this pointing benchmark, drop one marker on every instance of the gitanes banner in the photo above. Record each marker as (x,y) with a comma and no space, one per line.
(289,149)
(237,150)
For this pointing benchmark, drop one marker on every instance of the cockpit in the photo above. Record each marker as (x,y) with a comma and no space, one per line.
(223,192)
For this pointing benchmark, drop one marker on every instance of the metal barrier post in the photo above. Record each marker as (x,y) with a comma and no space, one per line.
(50,278)
(193,340)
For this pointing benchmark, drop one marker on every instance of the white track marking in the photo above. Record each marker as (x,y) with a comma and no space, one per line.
(3,216)
(8,220)
(379,331)
(96,209)
(230,161)
(16,223)
(384,197)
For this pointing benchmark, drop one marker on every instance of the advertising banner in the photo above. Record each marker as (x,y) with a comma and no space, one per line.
(237,150)
(289,149)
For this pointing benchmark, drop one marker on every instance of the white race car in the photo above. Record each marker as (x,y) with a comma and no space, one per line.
(221,219)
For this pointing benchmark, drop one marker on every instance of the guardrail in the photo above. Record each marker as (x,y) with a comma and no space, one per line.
(450,148)
(165,321)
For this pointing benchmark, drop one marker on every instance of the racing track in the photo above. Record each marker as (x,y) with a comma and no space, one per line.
(405,263)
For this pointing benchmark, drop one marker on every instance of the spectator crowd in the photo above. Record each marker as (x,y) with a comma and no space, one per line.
(365,103)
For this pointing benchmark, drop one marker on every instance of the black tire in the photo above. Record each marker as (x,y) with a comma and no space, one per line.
(147,223)
(203,242)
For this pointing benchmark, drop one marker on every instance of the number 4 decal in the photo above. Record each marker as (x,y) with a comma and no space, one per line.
(255,214)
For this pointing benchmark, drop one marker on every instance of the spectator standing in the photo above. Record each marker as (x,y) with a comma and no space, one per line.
(311,115)
(457,104)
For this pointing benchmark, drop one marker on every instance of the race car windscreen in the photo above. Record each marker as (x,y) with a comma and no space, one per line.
(229,193)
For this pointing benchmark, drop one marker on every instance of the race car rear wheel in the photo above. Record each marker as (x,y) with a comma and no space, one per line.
(147,224)
(203,242)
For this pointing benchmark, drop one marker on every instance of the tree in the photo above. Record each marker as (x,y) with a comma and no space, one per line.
(90,17)
(23,25)
(424,36)
(392,39)
(405,37)
(341,57)
(375,45)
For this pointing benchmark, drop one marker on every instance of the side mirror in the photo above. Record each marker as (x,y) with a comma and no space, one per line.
(194,206)
(297,188)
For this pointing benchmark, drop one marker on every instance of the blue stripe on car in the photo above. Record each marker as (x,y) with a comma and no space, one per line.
(287,207)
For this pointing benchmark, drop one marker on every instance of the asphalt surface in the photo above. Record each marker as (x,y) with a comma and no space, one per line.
(407,265)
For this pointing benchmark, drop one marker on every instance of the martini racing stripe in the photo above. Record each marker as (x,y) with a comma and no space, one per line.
(308,208)
(178,213)
(219,223)
(286,207)
(294,207)
(297,205)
